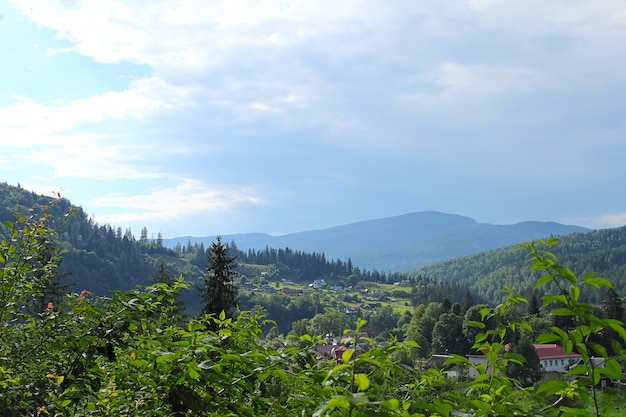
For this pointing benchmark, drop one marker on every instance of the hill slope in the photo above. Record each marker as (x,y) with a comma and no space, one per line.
(95,257)
(399,243)
(486,273)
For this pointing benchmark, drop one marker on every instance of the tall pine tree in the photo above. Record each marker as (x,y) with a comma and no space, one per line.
(219,292)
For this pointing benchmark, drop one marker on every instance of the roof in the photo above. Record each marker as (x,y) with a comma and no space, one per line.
(544,351)
(553,351)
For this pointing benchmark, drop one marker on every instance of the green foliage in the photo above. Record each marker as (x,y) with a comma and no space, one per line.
(27,264)
(130,355)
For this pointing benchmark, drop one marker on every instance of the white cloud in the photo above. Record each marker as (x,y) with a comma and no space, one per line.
(30,122)
(190,34)
(59,136)
(460,84)
(57,51)
(605,221)
(189,197)
(90,156)
(264,107)
(244,56)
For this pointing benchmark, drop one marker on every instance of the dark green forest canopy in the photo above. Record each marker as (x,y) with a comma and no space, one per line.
(601,251)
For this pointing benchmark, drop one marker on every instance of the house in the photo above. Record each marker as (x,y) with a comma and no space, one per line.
(552,358)
(438,362)
(318,283)
(326,350)
(268,288)
(352,310)
(291,291)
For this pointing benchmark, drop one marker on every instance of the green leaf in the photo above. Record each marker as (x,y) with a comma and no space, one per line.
(597,282)
(568,275)
(562,334)
(164,357)
(442,408)
(543,280)
(371,360)
(474,323)
(359,324)
(595,377)
(612,369)
(618,327)
(456,359)
(563,311)
(412,343)
(338,402)
(337,368)
(193,374)
(231,357)
(358,398)
(485,311)
(552,387)
(547,338)
(362,382)
(553,298)
(598,349)
(391,404)
(347,355)
(578,370)
(568,346)
(571,411)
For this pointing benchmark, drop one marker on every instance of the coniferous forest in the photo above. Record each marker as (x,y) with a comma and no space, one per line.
(98,322)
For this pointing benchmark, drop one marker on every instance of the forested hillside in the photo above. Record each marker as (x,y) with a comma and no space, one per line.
(95,257)
(103,258)
(601,251)
(133,353)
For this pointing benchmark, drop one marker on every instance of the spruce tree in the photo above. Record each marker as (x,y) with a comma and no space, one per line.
(219,292)
(613,307)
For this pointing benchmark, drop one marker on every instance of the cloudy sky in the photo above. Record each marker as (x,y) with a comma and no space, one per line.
(277,116)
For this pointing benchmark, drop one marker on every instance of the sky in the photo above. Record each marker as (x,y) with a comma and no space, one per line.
(275,116)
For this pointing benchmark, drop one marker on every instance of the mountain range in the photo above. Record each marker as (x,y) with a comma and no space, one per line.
(399,243)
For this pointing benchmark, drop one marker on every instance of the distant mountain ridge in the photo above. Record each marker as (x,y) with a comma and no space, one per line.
(399,243)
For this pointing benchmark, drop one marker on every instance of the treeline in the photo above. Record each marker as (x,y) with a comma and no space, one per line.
(427,290)
(601,251)
(294,265)
(305,266)
(302,266)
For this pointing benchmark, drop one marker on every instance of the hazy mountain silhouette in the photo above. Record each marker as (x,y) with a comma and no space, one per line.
(400,243)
